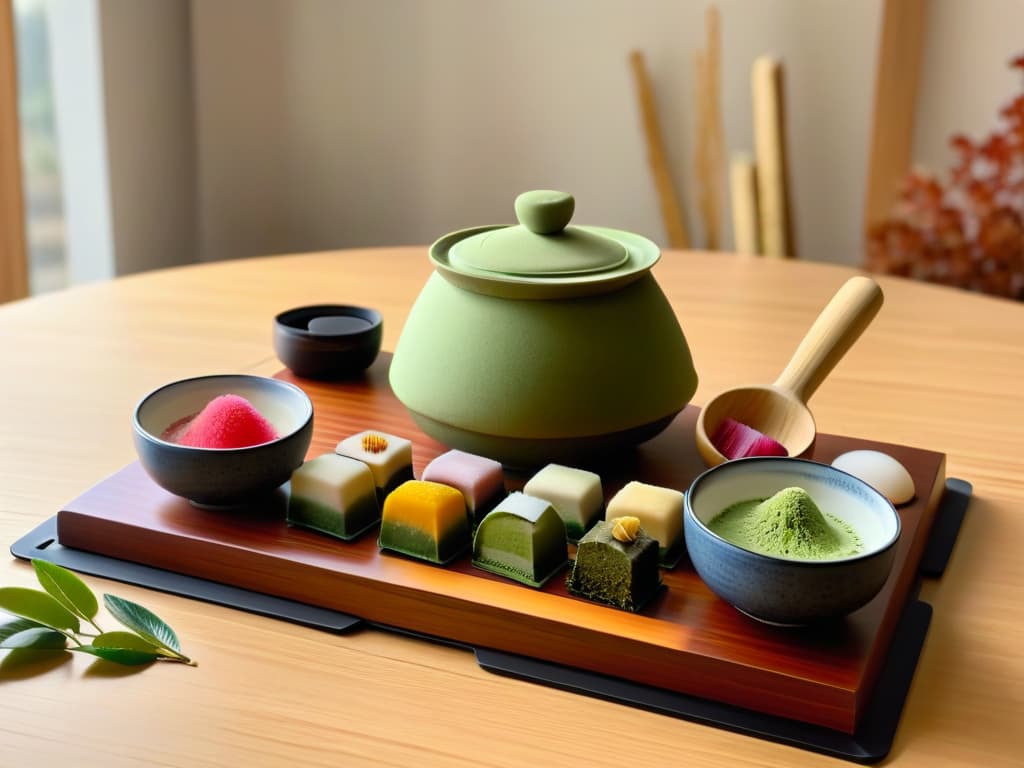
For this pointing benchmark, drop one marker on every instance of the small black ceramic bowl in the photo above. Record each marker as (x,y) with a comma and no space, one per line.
(781,590)
(223,477)
(328,341)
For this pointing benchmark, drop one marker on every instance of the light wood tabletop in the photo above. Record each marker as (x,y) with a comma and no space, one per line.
(938,369)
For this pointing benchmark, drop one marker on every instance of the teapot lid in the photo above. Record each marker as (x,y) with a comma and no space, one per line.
(543,256)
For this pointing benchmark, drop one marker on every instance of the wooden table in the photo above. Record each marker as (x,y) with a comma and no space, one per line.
(937,369)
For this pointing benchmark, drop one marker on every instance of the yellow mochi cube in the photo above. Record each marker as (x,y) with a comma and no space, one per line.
(660,511)
(425,520)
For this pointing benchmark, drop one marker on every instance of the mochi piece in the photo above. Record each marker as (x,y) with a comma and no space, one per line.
(881,471)
(574,493)
(523,539)
(227,421)
(388,457)
(425,520)
(334,495)
(481,480)
(623,574)
(660,511)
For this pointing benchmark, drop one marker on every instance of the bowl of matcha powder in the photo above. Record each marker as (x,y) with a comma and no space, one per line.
(789,541)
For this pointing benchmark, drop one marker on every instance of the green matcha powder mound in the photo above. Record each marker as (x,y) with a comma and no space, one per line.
(788,524)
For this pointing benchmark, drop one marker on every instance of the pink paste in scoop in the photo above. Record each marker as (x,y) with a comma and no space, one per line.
(736,440)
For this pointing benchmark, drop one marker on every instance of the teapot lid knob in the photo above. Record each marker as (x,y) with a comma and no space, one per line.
(545,211)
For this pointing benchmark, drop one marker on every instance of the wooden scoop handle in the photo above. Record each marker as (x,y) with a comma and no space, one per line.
(838,326)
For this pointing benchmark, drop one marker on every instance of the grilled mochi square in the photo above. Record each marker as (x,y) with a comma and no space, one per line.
(621,573)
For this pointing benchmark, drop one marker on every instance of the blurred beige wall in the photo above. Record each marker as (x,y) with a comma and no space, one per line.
(327,124)
(324,124)
(965,77)
(147,84)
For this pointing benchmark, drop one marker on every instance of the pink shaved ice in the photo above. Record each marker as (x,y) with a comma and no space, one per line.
(227,421)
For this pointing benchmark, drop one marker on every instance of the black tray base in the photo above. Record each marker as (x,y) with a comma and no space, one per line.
(870,743)
(41,544)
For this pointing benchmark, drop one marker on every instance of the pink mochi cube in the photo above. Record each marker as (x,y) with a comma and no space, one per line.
(227,421)
(481,480)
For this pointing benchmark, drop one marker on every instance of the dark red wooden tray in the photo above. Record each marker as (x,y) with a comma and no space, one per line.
(686,640)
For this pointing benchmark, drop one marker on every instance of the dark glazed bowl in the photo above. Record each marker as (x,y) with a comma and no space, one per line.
(328,341)
(223,477)
(786,591)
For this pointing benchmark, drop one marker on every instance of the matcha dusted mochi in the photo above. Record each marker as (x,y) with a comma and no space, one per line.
(660,512)
(575,494)
(523,539)
(425,520)
(388,457)
(481,480)
(335,495)
(616,563)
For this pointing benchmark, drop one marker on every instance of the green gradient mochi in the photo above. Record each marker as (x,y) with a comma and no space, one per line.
(523,539)
(334,495)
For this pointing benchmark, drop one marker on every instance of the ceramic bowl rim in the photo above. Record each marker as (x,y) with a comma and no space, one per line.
(145,434)
(819,466)
(370,315)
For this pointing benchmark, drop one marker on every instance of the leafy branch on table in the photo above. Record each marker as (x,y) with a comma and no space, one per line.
(51,619)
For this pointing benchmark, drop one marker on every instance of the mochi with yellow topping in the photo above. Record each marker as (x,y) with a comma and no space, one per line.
(660,512)
(616,564)
(425,520)
(575,494)
(334,495)
(522,538)
(388,457)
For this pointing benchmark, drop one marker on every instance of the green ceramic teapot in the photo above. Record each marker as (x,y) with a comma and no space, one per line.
(542,342)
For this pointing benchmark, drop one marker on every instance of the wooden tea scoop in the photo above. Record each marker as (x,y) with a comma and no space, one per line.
(779,410)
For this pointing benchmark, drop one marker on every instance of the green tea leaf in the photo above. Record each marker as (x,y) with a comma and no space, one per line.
(143,621)
(129,641)
(69,590)
(25,633)
(37,636)
(14,626)
(128,648)
(123,656)
(37,606)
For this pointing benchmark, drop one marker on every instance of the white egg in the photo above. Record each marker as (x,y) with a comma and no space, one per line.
(879,470)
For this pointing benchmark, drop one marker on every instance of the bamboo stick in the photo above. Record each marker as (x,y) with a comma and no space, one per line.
(892,125)
(772,172)
(668,200)
(716,139)
(701,150)
(743,188)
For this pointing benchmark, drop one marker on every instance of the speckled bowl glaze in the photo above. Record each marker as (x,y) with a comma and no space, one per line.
(783,591)
(213,477)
